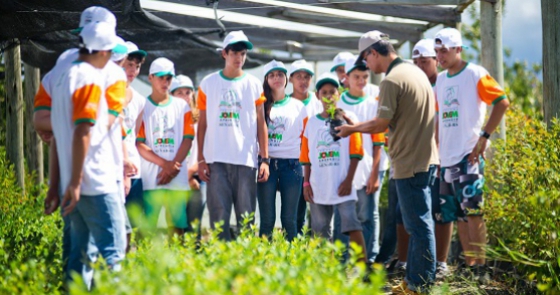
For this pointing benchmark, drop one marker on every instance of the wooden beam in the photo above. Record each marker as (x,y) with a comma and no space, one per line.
(550,10)
(34,148)
(14,111)
(434,14)
(460,8)
(491,43)
(402,2)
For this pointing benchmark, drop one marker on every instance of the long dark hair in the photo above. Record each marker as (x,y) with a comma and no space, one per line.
(269,99)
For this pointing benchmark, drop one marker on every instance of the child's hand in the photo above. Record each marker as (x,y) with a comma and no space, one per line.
(263,172)
(193,183)
(345,188)
(308,194)
(373,183)
(168,171)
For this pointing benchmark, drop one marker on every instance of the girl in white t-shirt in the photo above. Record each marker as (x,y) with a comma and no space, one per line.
(183,87)
(286,118)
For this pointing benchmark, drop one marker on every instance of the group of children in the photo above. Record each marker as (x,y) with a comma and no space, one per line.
(241,141)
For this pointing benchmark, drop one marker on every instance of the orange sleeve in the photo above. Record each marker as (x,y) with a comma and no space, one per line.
(304,154)
(304,125)
(141,134)
(123,132)
(115,95)
(489,90)
(43,100)
(201,100)
(85,103)
(356,147)
(188,125)
(260,100)
(378,139)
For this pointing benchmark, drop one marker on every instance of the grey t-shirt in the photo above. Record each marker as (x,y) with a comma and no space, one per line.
(406,99)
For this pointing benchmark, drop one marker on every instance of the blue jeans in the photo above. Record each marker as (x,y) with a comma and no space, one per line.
(195,207)
(135,199)
(100,218)
(415,202)
(286,175)
(367,208)
(392,218)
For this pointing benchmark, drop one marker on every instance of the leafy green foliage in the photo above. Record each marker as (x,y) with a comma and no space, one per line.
(523,206)
(331,105)
(30,259)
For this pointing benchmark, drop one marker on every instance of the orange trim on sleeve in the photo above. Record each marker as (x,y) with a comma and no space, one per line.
(43,100)
(489,90)
(378,138)
(141,133)
(304,154)
(304,125)
(85,101)
(356,146)
(188,125)
(115,95)
(260,100)
(123,132)
(201,100)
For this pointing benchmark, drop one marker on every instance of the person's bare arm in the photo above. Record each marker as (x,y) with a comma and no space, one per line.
(52,201)
(373,182)
(307,190)
(183,151)
(80,146)
(345,187)
(496,116)
(262,137)
(203,169)
(376,125)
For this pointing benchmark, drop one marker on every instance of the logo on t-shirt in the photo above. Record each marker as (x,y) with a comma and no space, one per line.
(230,104)
(276,129)
(329,150)
(163,134)
(450,111)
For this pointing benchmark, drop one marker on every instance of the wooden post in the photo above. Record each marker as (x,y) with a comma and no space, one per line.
(491,45)
(551,61)
(14,110)
(34,148)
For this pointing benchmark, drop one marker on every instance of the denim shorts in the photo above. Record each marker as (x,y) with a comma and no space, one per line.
(460,191)
(321,216)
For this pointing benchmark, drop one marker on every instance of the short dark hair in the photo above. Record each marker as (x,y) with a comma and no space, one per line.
(86,51)
(383,47)
(137,57)
(236,47)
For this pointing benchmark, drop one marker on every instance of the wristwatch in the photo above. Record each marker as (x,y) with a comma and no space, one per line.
(265,160)
(484,134)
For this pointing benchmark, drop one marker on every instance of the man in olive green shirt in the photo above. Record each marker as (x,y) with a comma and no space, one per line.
(407,107)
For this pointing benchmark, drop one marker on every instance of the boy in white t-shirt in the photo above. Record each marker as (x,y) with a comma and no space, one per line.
(338,67)
(373,165)
(329,169)
(463,92)
(80,121)
(230,124)
(183,87)
(164,140)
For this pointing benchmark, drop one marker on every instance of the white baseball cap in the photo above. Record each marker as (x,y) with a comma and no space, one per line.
(340,59)
(353,63)
(181,81)
(162,66)
(101,36)
(274,66)
(370,38)
(448,38)
(120,56)
(235,37)
(133,48)
(96,14)
(325,78)
(424,48)
(301,65)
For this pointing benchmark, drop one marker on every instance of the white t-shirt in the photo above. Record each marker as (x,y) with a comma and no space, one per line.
(365,109)
(312,105)
(130,114)
(231,117)
(193,153)
(164,127)
(329,160)
(461,103)
(372,90)
(78,91)
(287,121)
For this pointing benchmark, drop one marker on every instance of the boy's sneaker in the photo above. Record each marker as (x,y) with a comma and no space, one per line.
(442,271)
(482,273)
(464,271)
(396,269)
